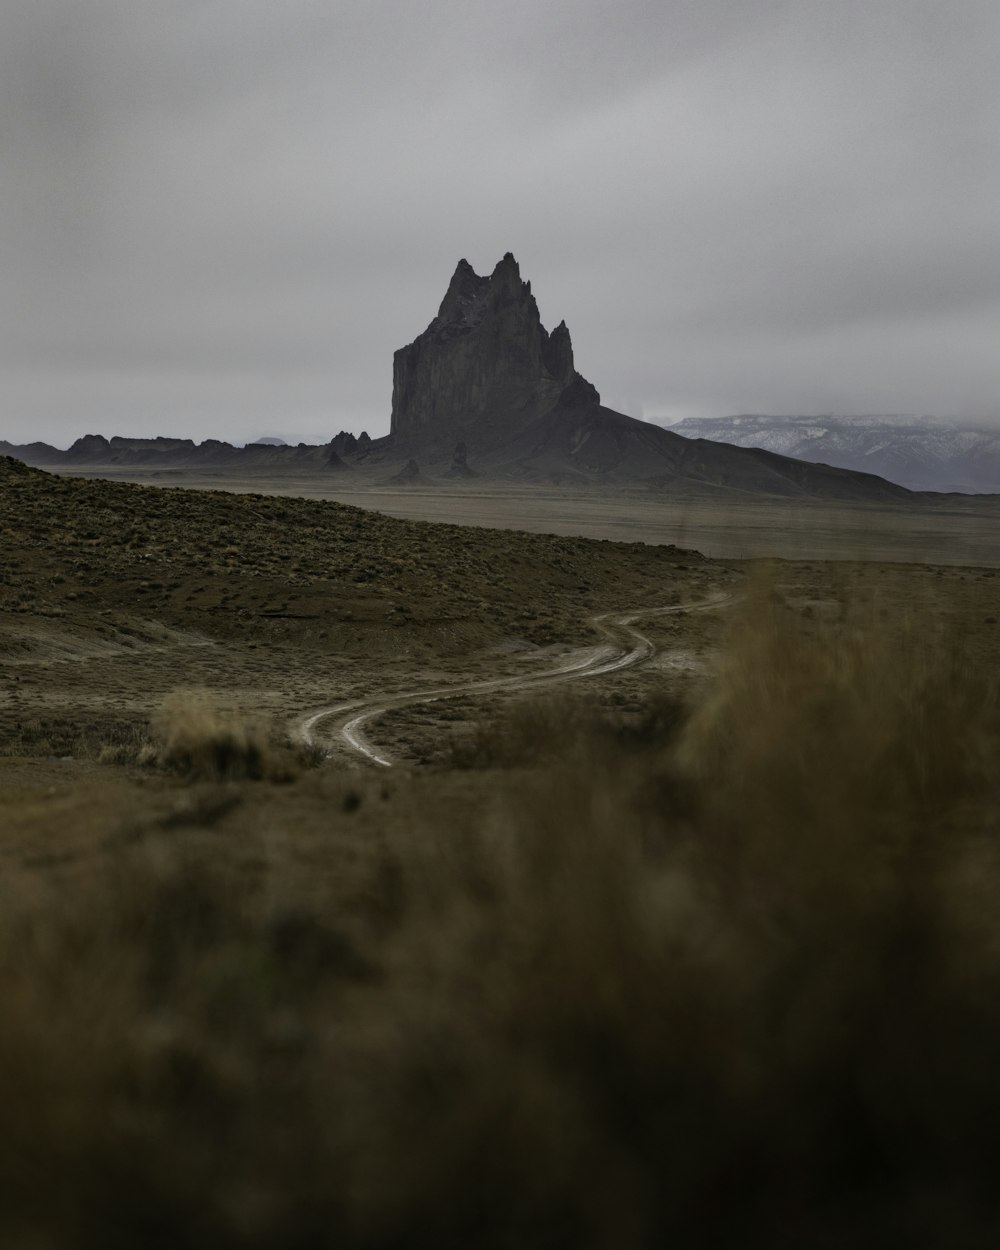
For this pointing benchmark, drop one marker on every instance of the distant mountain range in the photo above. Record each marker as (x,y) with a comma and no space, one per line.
(923,453)
(487,392)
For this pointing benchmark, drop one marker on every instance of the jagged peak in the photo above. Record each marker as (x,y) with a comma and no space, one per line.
(457,370)
(506,276)
(463,288)
(557,352)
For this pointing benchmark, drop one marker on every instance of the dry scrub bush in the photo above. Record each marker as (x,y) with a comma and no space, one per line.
(563,728)
(195,738)
(739,990)
(109,741)
(746,994)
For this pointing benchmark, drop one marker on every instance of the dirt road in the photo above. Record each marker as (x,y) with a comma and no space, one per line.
(625,646)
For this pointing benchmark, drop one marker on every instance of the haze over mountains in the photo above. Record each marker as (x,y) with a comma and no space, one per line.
(922,453)
(486,391)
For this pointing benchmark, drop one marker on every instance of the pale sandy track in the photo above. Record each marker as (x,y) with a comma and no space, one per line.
(625,647)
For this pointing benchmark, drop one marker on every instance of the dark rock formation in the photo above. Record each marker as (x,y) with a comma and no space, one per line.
(459,466)
(486,357)
(408,475)
(343,443)
(486,380)
(486,375)
(356,446)
(94,451)
(90,447)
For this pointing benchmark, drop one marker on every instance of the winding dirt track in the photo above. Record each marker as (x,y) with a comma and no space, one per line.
(625,647)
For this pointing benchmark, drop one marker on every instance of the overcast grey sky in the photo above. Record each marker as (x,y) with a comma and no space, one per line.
(221,217)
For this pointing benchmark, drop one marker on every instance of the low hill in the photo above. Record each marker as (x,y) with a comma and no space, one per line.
(324,576)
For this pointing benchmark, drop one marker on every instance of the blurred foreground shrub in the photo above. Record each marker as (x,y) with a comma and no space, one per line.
(736,984)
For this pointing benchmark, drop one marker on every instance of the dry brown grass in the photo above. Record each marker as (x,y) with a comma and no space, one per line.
(194,737)
(734,985)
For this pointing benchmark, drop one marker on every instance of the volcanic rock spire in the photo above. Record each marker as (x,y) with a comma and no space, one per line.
(486,359)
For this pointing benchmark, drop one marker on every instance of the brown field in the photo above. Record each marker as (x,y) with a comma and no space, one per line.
(704,952)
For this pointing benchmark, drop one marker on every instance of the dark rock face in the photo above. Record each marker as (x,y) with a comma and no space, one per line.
(485,357)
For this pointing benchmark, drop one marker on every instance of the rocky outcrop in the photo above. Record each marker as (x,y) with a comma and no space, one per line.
(459,466)
(408,475)
(356,446)
(485,358)
(345,443)
(486,376)
(90,447)
(487,382)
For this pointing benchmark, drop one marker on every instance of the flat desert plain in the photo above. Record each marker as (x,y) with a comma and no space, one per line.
(935,529)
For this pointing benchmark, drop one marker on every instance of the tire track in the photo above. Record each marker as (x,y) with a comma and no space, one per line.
(625,647)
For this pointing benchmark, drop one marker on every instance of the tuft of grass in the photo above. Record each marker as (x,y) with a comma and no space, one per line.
(201,742)
(106,740)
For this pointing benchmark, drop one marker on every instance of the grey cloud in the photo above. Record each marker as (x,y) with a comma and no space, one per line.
(228,214)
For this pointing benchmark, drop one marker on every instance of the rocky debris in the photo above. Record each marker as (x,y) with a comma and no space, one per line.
(485,357)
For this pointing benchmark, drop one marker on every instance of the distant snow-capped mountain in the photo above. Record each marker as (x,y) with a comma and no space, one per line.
(923,453)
